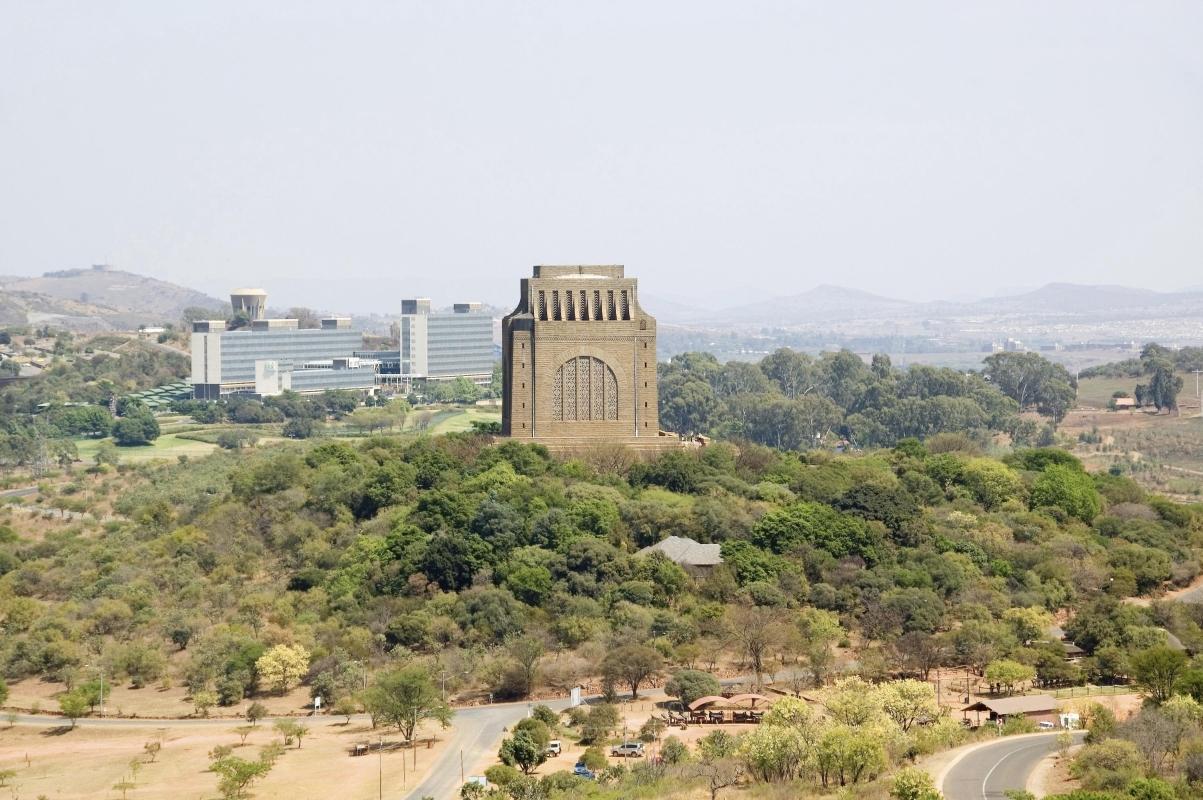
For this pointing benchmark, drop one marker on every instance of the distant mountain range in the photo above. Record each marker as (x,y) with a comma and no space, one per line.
(822,302)
(96,299)
(101,298)
(827,303)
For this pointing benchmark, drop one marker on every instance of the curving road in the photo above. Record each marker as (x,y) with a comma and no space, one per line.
(987,772)
(476,732)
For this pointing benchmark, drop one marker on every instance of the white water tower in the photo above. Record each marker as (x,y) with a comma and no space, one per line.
(250,302)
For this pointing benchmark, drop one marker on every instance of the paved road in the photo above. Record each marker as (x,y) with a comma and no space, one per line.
(477,731)
(986,773)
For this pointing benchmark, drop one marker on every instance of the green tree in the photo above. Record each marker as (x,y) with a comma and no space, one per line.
(784,530)
(632,665)
(291,729)
(236,775)
(255,712)
(527,651)
(1156,670)
(139,428)
(688,685)
(908,702)
(404,698)
(990,482)
(1067,488)
(73,705)
(1032,380)
(204,700)
(1008,674)
(106,453)
(522,751)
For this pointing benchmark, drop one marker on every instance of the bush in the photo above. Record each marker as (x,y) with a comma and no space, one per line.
(1016,725)
(674,751)
(548,717)
(594,758)
(502,774)
(690,684)
(299,428)
(138,429)
(601,720)
(913,784)
(1109,765)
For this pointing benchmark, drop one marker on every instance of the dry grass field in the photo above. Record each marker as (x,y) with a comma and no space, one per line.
(89,762)
(1164,452)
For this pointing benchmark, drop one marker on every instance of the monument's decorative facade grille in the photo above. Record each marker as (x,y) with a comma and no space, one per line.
(584,389)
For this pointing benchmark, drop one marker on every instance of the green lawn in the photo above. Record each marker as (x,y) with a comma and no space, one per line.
(166,446)
(461,419)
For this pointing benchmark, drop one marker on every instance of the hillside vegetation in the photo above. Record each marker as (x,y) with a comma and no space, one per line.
(450,548)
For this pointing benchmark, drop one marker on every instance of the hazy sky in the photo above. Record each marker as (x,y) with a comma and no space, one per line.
(345,154)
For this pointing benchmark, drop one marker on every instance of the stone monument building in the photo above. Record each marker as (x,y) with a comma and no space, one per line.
(579,360)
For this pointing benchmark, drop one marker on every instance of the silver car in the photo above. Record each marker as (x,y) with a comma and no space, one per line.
(627,750)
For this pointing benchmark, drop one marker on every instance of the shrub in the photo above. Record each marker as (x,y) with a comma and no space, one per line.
(690,684)
(502,774)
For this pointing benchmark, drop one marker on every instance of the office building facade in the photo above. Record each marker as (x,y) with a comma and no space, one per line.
(443,346)
(224,361)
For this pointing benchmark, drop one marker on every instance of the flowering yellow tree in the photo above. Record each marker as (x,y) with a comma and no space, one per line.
(282,667)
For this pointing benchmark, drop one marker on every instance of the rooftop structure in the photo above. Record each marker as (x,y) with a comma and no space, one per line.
(687,552)
(1010,706)
(251,303)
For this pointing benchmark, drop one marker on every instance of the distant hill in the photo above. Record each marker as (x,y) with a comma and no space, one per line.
(1076,297)
(821,302)
(96,299)
(672,311)
(829,304)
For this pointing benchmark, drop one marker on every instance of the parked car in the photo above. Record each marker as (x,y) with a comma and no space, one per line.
(1045,725)
(581,771)
(627,750)
(554,748)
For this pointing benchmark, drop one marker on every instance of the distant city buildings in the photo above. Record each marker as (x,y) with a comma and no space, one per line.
(274,355)
(439,345)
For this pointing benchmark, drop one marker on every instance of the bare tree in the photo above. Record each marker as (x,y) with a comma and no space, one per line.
(757,631)
(718,774)
(919,652)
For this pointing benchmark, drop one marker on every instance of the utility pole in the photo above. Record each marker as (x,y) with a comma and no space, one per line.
(100,673)
(1198,396)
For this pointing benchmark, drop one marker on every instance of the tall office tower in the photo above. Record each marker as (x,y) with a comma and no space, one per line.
(442,346)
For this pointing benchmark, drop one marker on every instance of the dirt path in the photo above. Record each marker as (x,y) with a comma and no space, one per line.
(1051,775)
(1187,594)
